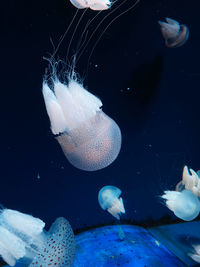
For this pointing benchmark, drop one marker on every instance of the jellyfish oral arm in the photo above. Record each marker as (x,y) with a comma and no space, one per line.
(117,208)
(190,181)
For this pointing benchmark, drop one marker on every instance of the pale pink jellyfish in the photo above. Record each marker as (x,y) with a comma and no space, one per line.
(23,239)
(88,137)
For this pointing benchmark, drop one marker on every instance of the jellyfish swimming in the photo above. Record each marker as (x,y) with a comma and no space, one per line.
(110,200)
(23,239)
(175,35)
(190,180)
(185,205)
(92,4)
(89,138)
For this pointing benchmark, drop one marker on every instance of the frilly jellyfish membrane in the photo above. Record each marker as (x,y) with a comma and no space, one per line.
(23,239)
(196,255)
(190,180)
(175,35)
(184,202)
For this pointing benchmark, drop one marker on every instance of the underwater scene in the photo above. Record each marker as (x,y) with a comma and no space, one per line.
(100,133)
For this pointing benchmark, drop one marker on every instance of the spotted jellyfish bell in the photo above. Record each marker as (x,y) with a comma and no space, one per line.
(175,35)
(110,200)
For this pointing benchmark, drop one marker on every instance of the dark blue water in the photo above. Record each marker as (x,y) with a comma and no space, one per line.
(158,115)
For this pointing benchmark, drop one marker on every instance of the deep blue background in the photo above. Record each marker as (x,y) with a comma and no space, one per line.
(158,116)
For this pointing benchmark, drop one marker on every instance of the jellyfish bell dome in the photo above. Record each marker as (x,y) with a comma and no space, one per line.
(175,35)
(93,145)
(110,200)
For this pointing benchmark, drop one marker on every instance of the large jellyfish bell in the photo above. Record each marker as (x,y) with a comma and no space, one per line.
(110,200)
(175,35)
(88,137)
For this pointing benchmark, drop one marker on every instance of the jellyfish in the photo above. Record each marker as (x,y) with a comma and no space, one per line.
(59,249)
(110,200)
(96,5)
(89,138)
(23,239)
(195,256)
(175,35)
(185,205)
(190,180)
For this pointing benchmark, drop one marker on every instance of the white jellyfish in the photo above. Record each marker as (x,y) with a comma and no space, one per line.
(175,35)
(92,4)
(196,255)
(110,200)
(185,205)
(23,239)
(190,180)
(88,137)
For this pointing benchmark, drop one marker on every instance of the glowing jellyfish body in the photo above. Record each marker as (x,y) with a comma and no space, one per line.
(23,239)
(88,137)
(185,205)
(175,35)
(110,200)
(92,4)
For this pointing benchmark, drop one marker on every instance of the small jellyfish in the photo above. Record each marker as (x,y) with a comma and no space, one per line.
(89,138)
(110,200)
(190,180)
(175,35)
(23,239)
(185,205)
(92,4)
